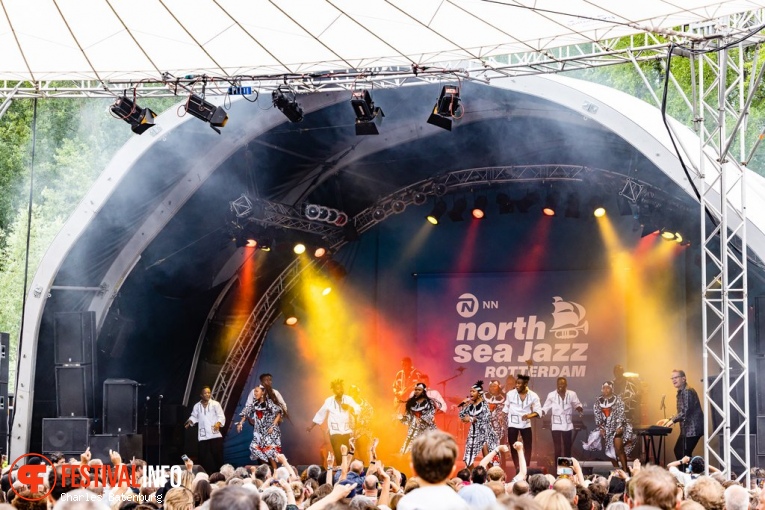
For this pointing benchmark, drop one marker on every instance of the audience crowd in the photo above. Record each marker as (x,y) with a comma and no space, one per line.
(434,483)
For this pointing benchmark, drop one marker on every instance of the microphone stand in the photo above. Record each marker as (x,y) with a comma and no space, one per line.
(159,430)
(445,396)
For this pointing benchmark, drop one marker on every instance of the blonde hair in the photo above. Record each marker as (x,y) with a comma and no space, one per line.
(179,498)
(552,500)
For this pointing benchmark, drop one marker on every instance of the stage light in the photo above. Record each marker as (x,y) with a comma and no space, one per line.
(447,107)
(378,214)
(366,113)
(458,210)
(319,252)
(251,242)
(439,189)
(288,311)
(668,234)
(528,200)
(140,119)
(287,105)
(419,198)
(342,219)
(504,203)
(266,244)
(572,206)
(323,213)
(678,238)
(599,212)
(479,207)
(299,248)
(216,116)
(312,211)
(438,210)
(326,290)
(551,204)
(398,206)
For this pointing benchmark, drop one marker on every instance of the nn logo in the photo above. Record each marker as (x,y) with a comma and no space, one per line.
(467,305)
(33,475)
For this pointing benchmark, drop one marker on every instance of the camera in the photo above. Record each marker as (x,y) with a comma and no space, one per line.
(184,457)
(565,466)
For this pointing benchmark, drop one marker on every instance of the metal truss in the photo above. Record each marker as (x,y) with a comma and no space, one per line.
(253,333)
(265,212)
(717,101)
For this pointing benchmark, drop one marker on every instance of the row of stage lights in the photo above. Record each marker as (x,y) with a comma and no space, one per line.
(506,205)
(448,107)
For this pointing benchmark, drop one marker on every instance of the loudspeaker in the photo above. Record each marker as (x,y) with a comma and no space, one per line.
(67,435)
(74,390)
(73,335)
(128,446)
(760,434)
(4,357)
(120,406)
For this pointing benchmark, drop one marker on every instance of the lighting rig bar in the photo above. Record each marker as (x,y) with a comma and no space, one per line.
(265,212)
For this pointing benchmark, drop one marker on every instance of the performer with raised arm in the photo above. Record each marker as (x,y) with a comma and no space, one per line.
(521,405)
(561,404)
(481,437)
(209,415)
(266,442)
(404,382)
(337,411)
(419,417)
(689,416)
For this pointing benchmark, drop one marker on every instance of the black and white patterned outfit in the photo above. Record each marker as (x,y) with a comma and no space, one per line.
(498,415)
(481,432)
(265,445)
(419,419)
(609,414)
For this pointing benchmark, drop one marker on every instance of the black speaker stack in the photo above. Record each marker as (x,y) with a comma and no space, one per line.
(75,367)
(4,402)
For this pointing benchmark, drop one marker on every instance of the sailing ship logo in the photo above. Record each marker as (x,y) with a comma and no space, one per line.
(568,319)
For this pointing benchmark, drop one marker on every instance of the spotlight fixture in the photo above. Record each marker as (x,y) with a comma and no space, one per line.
(315,212)
(299,249)
(504,203)
(366,113)
(140,119)
(378,214)
(438,210)
(326,290)
(447,107)
(266,244)
(528,200)
(319,252)
(251,242)
(479,207)
(312,211)
(398,206)
(287,105)
(419,198)
(288,311)
(551,204)
(439,189)
(668,234)
(572,206)
(342,219)
(599,212)
(208,112)
(458,209)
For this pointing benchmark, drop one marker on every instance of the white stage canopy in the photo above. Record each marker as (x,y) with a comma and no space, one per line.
(131,40)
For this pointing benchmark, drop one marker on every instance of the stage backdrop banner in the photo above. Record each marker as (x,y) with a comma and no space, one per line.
(545,324)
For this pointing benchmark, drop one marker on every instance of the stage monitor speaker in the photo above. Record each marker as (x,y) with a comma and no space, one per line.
(128,446)
(73,337)
(120,406)
(100,444)
(67,435)
(74,391)
(4,356)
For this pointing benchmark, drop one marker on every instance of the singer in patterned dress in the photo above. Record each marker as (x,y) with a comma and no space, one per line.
(420,415)
(495,397)
(266,437)
(481,437)
(613,431)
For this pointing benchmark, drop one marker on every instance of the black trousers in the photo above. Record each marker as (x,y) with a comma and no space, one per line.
(211,454)
(562,440)
(336,440)
(685,445)
(512,436)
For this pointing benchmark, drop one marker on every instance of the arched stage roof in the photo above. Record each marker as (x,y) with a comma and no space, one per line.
(155,221)
(151,241)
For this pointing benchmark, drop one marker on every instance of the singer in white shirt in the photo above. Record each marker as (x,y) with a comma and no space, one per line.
(209,415)
(561,404)
(337,411)
(521,405)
